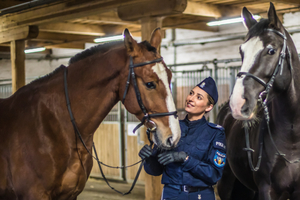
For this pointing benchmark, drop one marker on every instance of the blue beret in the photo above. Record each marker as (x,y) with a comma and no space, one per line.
(209,86)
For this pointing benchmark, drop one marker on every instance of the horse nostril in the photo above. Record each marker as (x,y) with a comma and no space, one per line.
(169,142)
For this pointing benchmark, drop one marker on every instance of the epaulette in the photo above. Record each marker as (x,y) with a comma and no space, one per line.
(216,126)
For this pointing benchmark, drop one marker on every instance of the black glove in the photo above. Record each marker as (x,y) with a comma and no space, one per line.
(145,152)
(171,156)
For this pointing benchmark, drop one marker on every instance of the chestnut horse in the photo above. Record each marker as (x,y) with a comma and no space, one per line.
(41,158)
(264,107)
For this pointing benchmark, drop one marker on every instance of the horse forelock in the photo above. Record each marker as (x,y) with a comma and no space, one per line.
(162,73)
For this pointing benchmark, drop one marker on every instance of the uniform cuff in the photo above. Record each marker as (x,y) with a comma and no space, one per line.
(190,164)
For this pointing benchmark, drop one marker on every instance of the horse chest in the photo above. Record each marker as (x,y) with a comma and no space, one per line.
(74,177)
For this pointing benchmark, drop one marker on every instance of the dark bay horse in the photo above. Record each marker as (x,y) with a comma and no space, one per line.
(270,76)
(41,158)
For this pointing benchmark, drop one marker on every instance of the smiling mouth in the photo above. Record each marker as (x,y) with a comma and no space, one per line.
(189,105)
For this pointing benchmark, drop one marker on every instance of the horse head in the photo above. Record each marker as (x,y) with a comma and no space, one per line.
(149,96)
(266,68)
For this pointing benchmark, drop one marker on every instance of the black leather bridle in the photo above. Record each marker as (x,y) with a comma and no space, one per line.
(263,98)
(147,116)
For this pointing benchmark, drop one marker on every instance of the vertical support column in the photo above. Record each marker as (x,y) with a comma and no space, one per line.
(153,186)
(17,54)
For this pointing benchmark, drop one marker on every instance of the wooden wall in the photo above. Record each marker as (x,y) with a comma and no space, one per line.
(106,139)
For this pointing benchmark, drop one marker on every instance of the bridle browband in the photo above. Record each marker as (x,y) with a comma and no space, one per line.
(147,116)
(263,98)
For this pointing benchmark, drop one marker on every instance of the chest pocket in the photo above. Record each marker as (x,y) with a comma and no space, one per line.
(199,151)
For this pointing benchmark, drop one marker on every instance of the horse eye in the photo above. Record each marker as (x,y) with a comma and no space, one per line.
(271,51)
(150,85)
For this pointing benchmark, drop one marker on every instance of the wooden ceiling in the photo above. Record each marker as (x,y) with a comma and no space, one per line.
(72,23)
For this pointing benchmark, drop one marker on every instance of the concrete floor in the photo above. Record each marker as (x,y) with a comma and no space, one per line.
(97,189)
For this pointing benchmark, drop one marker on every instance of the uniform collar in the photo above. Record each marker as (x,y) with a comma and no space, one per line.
(198,122)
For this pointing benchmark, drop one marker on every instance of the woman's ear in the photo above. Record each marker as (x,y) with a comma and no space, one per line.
(209,108)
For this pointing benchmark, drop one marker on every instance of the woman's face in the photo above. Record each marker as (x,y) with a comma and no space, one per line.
(197,102)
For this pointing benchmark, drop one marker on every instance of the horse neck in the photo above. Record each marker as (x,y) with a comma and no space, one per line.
(93,88)
(286,104)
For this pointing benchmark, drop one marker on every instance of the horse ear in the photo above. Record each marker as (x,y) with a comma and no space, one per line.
(156,38)
(273,18)
(130,44)
(249,21)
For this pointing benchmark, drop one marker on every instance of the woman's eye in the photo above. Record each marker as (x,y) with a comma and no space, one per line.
(150,85)
(271,51)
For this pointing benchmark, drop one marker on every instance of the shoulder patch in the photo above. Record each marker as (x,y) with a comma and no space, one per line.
(219,159)
(216,126)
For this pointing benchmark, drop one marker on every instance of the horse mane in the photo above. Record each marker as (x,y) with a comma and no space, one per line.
(101,48)
(47,76)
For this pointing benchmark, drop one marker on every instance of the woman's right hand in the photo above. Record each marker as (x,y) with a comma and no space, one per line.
(145,152)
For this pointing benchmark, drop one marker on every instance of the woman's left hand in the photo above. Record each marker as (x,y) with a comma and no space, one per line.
(171,156)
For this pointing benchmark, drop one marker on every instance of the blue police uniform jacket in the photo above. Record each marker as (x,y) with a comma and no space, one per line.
(204,143)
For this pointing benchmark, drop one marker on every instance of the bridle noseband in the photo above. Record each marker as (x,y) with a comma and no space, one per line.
(147,116)
(263,98)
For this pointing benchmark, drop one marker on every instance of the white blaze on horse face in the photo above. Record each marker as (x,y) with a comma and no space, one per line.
(251,50)
(161,72)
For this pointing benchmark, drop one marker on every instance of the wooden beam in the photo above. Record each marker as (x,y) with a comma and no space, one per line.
(202,9)
(210,10)
(110,17)
(68,45)
(293,2)
(63,37)
(6,4)
(17,64)
(73,29)
(25,32)
(84,29)
(172,22)
(154,8)
(58,12)
(153,186)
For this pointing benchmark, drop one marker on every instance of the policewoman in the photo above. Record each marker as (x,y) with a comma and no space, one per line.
(196,164)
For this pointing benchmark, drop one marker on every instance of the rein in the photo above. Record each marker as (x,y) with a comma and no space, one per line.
(145,118)
(263,98)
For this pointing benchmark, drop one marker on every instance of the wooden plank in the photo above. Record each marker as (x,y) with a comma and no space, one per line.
(106,140)
(58,12)
(17,64)
(210,10)
(20,33)
(69,28)
(152,8)
(188,24)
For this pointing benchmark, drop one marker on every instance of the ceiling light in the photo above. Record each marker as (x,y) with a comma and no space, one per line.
(35,50)
(229,21)
(109,39)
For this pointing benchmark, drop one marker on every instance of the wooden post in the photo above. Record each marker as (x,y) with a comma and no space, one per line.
(17,54)
(153,186)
